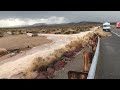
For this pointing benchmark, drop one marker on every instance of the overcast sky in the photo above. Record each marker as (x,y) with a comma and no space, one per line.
(14,18)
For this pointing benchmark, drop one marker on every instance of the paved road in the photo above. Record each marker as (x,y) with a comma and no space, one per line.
(108,66)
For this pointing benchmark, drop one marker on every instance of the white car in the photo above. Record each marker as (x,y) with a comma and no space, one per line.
(106,26)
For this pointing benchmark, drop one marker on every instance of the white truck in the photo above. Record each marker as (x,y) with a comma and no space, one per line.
(106,26)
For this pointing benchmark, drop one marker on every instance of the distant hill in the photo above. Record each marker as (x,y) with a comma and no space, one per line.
(85,22)
(39,24)
(62,24)
(113,23)
(72,23)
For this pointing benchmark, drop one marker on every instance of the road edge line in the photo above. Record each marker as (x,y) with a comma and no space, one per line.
(116,34)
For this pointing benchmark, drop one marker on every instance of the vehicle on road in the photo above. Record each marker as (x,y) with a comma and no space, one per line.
(106,26)
(118,25)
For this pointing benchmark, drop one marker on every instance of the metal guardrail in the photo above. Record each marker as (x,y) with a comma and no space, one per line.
(92,70)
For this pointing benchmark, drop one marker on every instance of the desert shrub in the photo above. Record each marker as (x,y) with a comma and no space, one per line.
(1,34)
(58,53)
(37,64)
(3,51)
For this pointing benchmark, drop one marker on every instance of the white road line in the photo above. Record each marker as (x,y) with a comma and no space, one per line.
(116,34)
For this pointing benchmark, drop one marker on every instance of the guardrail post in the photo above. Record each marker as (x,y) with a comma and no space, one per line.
(86,60)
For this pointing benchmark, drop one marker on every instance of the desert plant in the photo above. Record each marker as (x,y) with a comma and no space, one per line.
(37,64)
(1,34)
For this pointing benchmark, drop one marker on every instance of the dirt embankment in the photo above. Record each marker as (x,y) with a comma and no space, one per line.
(22,41)
(13,45)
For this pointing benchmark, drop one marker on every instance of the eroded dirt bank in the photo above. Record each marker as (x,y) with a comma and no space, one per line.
(22,41)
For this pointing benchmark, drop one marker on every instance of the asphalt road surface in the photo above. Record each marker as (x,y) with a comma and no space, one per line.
(108,65)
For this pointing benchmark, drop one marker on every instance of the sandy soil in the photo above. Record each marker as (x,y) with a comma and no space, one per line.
(22,41)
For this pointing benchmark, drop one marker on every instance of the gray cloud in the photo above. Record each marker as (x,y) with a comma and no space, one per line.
(69,16)
(12,22)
